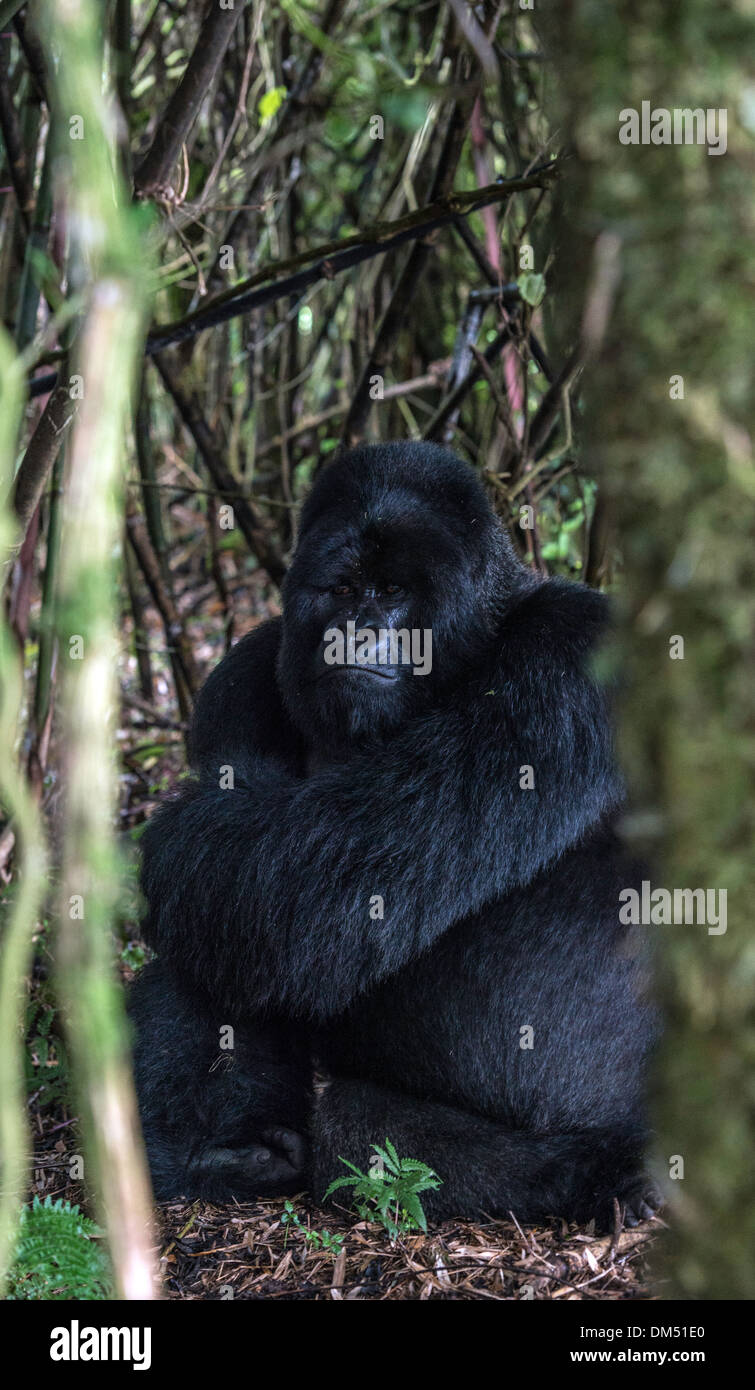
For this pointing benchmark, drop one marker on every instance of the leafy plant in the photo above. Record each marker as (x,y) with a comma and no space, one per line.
(319,1240)
(270,103)
(390,1191)
(532,288)
(45,1060)
(134,955)
(57,1256)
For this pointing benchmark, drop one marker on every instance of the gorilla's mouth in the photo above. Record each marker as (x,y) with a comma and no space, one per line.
(383,673)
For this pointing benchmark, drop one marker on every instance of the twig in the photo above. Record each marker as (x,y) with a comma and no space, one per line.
(406,285)
(327,261)
(251,525)
(151,715)
(182,659)
(153,175)
(294,104)
(41,453)
(395,391)
(551,405)
(14,148)
(595,563)
(455,397)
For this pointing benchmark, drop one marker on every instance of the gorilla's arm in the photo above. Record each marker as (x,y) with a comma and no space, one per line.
(272,883)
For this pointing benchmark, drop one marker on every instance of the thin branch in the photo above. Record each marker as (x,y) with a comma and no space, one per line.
(596,560)
(493,278)
(250,523)
(153,175)
(284,141)
(406,285)
(184,669)
(327,261)
(141,636)
(431,379)
(14,148)
(454,398)
(549,409)
(33,53)
(41,453)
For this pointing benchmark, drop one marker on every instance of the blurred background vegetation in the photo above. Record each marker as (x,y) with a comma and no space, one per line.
(232,239)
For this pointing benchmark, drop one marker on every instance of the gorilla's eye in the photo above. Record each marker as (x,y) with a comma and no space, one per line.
(392,589)
(341,590)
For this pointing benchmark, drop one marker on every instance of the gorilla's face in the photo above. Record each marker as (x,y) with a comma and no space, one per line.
(357,603)
(390,590)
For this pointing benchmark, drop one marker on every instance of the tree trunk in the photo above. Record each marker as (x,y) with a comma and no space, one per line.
(657,236)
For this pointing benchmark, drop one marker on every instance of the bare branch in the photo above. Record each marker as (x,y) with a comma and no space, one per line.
(41,453)
(250,523)
(327,261)
(454,398)
(153,175)
(407,282)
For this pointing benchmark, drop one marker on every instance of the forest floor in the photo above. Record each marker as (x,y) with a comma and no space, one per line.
(248,1251)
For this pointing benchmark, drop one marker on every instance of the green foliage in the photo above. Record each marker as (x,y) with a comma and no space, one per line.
(45,1059)
(408,108)
(532,288)
(678,470)
(57,1255)
(134,955)
(318,1240)
(390,1192)
(270,103)
(564,522)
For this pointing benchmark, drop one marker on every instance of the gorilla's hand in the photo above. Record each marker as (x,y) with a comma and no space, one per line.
(300,894)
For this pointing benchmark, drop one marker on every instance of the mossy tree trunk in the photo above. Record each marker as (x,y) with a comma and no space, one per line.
(666,406)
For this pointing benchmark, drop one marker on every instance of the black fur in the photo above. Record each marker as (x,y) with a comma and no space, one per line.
(500,904)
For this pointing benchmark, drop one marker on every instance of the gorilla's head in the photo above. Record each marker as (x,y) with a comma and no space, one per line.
(399,573)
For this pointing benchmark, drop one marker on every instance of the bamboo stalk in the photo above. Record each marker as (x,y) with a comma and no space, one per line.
(48,641)
(108,244)
(18,803)
(90,877)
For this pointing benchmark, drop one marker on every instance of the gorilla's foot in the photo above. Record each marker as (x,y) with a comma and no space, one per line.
(290,1146)
(641,1200)
(274,1166)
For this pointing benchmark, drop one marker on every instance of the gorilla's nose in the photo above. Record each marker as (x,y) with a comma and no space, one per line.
(369,645)
(369,615)
(364,642)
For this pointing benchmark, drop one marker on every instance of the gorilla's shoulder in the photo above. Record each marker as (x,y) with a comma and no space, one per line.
(239,707)
(559,618)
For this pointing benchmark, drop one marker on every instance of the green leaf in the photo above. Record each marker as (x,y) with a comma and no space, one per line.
(413,1207)
(392,1151)
(269,103)
(339,1182)
(56,1257)
(390,1163)
(532,288)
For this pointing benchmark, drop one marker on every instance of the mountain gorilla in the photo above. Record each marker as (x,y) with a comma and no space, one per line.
(409,880)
